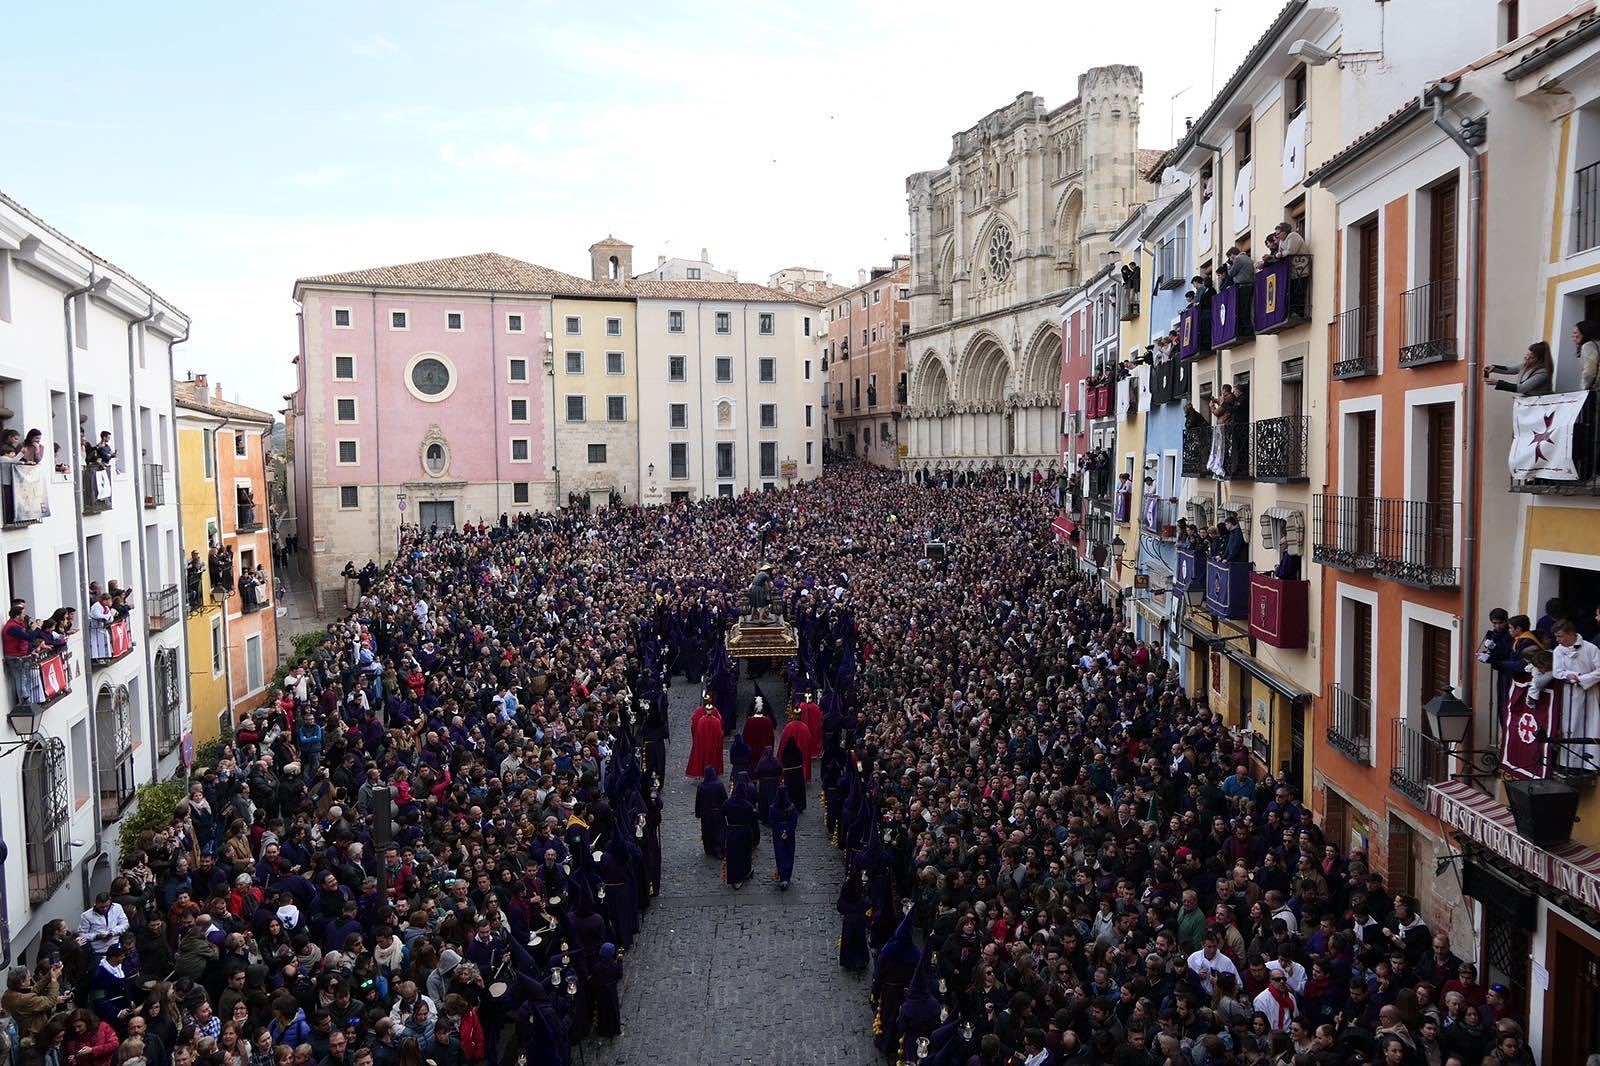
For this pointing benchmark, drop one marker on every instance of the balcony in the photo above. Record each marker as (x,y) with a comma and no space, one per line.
(163,609)
(1232,316)
(1550,475)
(1131,385)
(900,394)
(155,485)
(1194,332)
(1349,724)
(1228,588)
(96,489)
(1430,324)
(258,600)
(1157,518)
(1281,448)
(1280,611)
(872,397)
(1191,568)
(1419,761)
(1100,486)
(838,407)
(1283,294)
(1586,209)
(1196,449)
(1358,344)
(1342,531)
(24,493)
(1416,543)
(118,645)
(194,596)
(1234,460)
(1100,400)
(1169,382)
(39,679)
(249,519)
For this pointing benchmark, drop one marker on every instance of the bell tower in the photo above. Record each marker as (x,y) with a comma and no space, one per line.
(610,260)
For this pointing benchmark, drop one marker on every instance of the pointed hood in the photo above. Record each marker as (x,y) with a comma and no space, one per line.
(901,949)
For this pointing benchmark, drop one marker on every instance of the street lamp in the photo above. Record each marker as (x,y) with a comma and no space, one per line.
(651,470)
(1118,546)
(1449,718)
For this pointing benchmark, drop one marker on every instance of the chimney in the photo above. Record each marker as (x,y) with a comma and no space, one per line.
(861,276)
(202,386)
(661,261)
(705,256)
(217,395)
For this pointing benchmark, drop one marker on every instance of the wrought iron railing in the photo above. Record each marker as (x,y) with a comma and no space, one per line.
(155,485)
(1229,444)
(22,494)
(1586,208)
(39,679)
(1196,449)
(1358,343)
(1282,446)
(1343,532)
(163,609)
(96,490)
(1157,517)
(1416,543)
(1430,324)
(1419,761)
(1100,484)
(1349,724)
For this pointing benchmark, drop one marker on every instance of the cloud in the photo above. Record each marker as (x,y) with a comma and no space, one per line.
(375,47)
(320,178)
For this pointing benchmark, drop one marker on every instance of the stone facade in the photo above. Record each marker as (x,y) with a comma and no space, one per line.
(1014,221)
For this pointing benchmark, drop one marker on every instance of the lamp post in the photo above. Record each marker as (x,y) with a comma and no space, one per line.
(1450,720)
(550,372)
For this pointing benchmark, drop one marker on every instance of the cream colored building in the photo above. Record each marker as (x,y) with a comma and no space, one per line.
(1017,219)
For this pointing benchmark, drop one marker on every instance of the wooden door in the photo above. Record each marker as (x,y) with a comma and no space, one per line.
(1367,283)
(1435,672)
(1365,506)
(1438,531)
(1360,684)
(1442,251)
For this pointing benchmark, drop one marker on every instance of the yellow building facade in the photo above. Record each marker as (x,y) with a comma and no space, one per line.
(203,621)
(594,378)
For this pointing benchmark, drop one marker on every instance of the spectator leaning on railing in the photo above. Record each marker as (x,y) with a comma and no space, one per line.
(1535,374)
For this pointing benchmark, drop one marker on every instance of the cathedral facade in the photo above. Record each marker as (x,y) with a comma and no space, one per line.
(1016,219)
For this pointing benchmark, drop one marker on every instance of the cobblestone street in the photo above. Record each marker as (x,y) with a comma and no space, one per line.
(728,977)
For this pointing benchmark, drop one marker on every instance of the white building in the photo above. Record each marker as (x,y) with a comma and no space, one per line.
(729,384)
(678,268)
(84,345)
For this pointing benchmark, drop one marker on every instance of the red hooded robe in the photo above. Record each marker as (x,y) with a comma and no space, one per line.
(705,732)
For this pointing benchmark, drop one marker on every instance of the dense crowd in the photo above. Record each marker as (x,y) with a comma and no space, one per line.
(434,843)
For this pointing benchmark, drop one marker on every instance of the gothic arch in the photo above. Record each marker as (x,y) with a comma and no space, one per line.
(979,263)
(1041,363)
(932,381)
(1069,223)
(985,370)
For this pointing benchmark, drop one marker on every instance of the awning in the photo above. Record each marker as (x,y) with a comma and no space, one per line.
(1226,645)
(1063,527)
(1572,868)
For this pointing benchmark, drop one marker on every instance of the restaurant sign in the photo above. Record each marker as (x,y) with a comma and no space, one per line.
(1571,869)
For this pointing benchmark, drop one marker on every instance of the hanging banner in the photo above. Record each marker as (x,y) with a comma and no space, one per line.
(30,495)
(121,638)
(1521,755)
(1294,151)
(52,677)
(1541,435)
(1241,197)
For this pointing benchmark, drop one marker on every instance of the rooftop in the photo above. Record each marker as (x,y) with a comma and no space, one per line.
(197,395)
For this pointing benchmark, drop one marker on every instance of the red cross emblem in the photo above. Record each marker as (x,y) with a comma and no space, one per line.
(1527,727)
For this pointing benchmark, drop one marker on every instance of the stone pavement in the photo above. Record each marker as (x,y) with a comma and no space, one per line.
(297,609)
(729,978)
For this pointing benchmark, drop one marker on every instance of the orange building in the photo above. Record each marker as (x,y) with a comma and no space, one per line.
(866,363)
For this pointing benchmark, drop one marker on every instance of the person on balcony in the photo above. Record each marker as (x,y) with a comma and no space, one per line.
(1231,546)
(1222,412)
(32,452)
(100,618)
(1535,375)
(1577,662)
(1240,271)
(1283,242)
(20,639)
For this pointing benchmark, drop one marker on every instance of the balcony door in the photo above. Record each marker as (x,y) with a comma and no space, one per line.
(1439,529)
(1367,287)
(1442,250)
(1365,447)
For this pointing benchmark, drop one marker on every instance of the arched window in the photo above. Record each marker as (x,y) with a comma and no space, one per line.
(46,805)
(614,269)
(436,460)
(169,699)
(1001,251)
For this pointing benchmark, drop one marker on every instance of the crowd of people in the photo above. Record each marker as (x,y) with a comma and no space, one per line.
(436,841)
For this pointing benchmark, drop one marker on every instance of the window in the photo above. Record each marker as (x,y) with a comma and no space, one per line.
(349,497)
(903,294)
(597,453)
(241,444)
(430,379)
(692,273)
(341,318)
(435,459)
(574,326)
(613,327)
(725,491)
(216,647)
(1294,91)
(616,408)
(399,320)
(452,321)
(769,458)
(863,338)
(344,367)
(349,452)
(769,416)
(808,369)
(519,409)
(574,362)
(677,368)
(47,809)
(725,459)
(724,322)
(724,368)
(809,459)
(345,410)
(678,416)
(808,416)
(764,324)
(513,323)
(209,446)
(576,409)
(519,449)
(877,296)
(519,492)
(1510,21)
(1241,144)
(769,370)
(517,369)
(614,363)
(674,321)
(863,301)
(678,458)
(806,324)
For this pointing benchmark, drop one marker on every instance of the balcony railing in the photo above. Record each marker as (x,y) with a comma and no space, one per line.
(1283,294)
(259,600)
(1157,518)
(40,679)
(249,517)
(163,609)
(1233,459)
(1196,449)
(1281,448)
(1228,588)
(1419,761)
(96,490)
(1349,724)
(24,493)
(1100,485)
(1585,465)
(155,485)
(1358,344)
(1194,332)
(1416,543)
(1233,316)
(1169,381)
(838,407)
(1343,531)
(1586,209)
(1430,324)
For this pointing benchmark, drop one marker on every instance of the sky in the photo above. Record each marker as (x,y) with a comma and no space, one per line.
(220,152)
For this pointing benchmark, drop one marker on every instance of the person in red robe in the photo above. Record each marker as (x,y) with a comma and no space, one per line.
(759,730)
(802,737)
(705,745)
(811,714)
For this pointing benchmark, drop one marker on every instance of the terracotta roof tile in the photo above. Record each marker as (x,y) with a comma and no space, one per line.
(193,395)
(1151,162)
